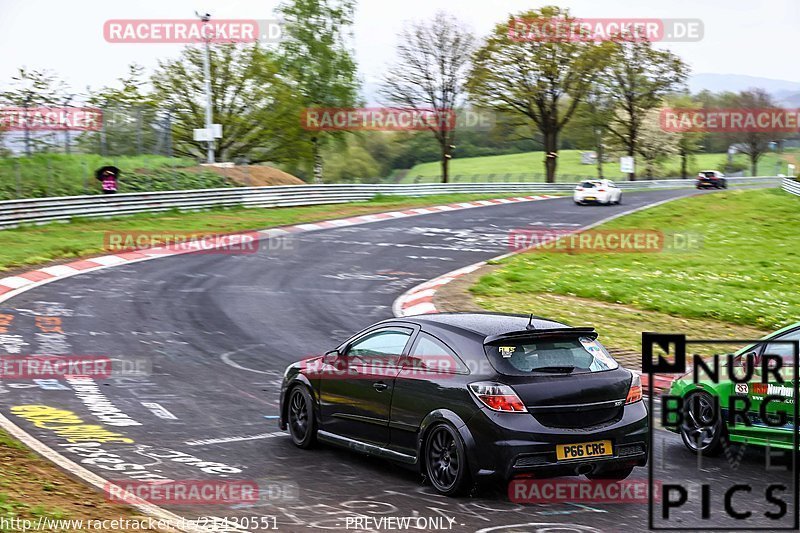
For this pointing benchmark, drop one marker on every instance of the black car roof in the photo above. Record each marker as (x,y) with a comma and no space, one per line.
(484,324)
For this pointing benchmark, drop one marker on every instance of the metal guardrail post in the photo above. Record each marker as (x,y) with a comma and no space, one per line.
(19,179)
(85,177)
(50,182)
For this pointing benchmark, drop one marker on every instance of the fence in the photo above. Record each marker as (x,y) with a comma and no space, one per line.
(791,186)
(122,131)
(42,210)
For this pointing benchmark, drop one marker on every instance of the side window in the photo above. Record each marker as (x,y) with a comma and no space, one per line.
(782,349)
(380,346)
(431,354)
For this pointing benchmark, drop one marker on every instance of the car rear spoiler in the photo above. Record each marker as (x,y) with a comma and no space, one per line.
(541,333)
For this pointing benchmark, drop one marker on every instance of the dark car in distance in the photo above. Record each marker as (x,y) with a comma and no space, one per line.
(711,179)
(466,397)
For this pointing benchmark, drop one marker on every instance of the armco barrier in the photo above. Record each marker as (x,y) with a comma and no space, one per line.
(791,186)
(42,210)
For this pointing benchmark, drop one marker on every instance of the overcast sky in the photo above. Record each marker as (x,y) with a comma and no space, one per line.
(756,38)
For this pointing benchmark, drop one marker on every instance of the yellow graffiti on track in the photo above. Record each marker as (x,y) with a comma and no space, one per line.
(67,424)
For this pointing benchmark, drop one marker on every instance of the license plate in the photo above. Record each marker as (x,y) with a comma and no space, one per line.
(566,452)
(590,198)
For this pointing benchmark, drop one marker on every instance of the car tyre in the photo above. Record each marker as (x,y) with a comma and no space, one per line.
(446,461)
(612,475)
(698,433)
(301,420)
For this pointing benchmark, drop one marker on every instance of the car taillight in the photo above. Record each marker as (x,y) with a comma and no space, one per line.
(578,188)
(635,392)
(498,397)
(601,190)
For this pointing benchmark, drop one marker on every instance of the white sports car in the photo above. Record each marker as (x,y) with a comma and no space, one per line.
(597,192)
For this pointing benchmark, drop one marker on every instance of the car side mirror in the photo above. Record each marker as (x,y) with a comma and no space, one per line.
(331,357)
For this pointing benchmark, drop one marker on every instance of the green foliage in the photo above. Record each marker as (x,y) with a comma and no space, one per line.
(540,81)
(317,64)
(68,175)
(351,165)
(32,88)
(131,120)
(252,102)
(639,77)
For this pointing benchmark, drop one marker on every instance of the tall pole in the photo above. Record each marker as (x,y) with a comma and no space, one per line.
(207,73)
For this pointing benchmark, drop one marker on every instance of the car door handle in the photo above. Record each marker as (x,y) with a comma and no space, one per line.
(380,386)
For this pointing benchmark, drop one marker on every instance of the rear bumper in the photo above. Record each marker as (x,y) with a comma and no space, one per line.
(509,444)
(601,198)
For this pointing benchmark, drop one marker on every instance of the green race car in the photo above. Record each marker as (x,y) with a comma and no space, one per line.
(705,405)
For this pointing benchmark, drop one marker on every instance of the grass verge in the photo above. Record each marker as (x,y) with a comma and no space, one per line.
(33,489)
(744,273)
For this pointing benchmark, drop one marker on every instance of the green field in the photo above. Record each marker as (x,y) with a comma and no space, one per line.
(743,273)
(570,168)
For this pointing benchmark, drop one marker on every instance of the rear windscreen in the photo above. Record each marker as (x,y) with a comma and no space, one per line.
(587,184)
(709,174)
(575,355)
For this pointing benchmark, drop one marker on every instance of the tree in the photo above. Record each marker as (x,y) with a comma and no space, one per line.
(129,115)
(542,81)
(589,126)
(639,77)
(315,60)
(353,164)
(429,75)
(753,143)
(249,99)
(689,142)
(30,89)
(654,144)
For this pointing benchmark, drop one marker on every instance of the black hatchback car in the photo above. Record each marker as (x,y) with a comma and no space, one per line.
(465,397)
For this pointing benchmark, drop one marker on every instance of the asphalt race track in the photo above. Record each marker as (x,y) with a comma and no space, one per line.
(214,333)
